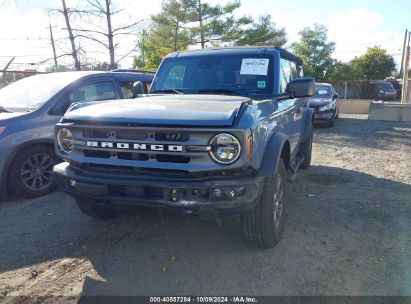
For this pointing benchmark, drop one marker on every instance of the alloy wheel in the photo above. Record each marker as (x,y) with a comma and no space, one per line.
(37,171)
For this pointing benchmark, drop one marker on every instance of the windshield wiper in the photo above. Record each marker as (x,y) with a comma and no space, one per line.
(167,91)
(222,90)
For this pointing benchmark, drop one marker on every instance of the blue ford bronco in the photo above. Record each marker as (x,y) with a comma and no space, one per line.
(221,131)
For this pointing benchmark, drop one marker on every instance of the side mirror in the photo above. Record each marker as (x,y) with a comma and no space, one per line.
(301,87)
(336,96)
(138,89)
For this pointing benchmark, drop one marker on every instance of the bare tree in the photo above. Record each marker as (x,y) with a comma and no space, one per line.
(4,3)
(106,36)
(66,12)
(71,36)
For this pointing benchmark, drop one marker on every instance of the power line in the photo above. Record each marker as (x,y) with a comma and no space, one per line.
(365,43)
(22,39)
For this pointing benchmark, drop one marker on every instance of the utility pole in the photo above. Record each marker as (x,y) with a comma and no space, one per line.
(403,52)
(405,72)
(5,69)
(54,47)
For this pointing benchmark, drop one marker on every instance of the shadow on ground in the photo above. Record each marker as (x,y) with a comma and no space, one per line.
(347,233)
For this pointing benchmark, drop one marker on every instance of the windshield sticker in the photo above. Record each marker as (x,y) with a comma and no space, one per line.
(261,84)
(254,66)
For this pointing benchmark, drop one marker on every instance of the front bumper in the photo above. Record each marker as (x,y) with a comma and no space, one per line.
(131,190)
(388,96)
(323,116)
(5,156)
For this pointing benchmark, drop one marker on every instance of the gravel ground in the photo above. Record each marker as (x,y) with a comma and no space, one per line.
(348,233)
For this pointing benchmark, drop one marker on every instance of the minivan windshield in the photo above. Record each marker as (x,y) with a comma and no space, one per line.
(217,74)
(322,92)
(32,92)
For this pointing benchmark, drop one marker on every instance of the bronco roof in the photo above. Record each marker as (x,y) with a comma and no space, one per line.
(239,50)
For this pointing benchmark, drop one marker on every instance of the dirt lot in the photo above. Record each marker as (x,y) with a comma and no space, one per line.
(348,233)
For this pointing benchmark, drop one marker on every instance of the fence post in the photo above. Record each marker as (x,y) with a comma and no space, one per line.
(5,69)
(345,90)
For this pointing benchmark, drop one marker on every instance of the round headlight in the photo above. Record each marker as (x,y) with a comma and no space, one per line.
(65,140)
(225,148)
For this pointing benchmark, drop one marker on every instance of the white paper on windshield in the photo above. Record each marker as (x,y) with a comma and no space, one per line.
(254,66)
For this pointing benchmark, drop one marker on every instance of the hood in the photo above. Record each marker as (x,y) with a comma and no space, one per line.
(318,102)
(199,110)
(6,115)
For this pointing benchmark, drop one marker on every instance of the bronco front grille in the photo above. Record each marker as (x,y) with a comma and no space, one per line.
(157,148)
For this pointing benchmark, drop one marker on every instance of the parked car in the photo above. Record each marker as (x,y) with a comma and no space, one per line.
(29,110)
(325,104)
(383,90)
(223,132)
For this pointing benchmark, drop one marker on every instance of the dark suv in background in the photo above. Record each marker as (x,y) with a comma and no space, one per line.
(29,109)
(384,90)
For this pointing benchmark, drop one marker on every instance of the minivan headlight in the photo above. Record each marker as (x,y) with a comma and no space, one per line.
(225,148)
(326,107)
(65,140)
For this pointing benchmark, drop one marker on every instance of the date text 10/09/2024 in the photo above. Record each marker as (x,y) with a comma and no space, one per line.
(239,299)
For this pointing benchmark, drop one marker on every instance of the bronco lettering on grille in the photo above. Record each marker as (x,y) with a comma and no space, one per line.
(134,146)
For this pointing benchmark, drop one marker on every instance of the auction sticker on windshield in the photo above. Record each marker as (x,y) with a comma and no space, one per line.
(254,66)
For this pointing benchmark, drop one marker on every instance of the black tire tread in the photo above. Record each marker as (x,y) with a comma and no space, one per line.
(257,230)
(305,147)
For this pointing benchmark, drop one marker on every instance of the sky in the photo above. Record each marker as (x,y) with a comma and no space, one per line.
(353,26)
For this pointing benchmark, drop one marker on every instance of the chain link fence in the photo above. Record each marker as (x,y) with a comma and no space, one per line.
(8,77)
(346,89)
(364,89)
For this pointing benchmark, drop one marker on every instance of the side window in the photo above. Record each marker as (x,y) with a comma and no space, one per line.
(127,88)
(294,71)
(285,74)
(300,71)
(93,92)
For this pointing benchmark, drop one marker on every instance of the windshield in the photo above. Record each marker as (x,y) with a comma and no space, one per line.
(322,92)
(386,86)
(239,74)
(32,92)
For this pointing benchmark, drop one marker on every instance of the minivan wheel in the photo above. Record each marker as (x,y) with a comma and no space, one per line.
(31,173)
(263,225)
(92,209)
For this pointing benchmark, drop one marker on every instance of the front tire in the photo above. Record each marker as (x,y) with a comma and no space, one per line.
(306,150)
(263,225)
(90,208)
(31,173)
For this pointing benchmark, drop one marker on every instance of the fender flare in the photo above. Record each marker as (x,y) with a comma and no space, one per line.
(272,154)
(307,123)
